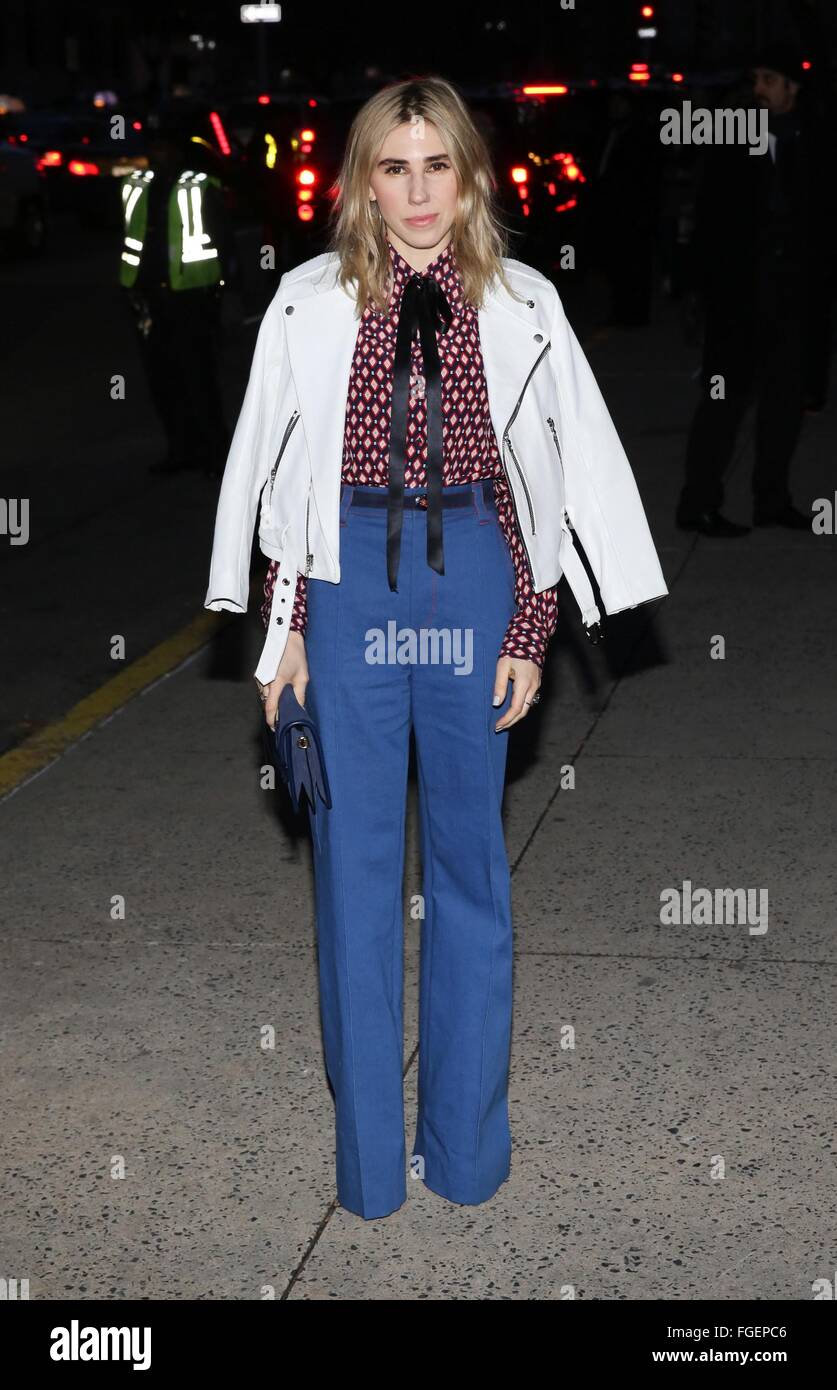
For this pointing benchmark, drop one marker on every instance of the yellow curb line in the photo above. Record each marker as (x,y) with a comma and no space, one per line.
(35,753)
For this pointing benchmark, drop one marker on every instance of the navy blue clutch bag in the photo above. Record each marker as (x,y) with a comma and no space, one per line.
(298,753)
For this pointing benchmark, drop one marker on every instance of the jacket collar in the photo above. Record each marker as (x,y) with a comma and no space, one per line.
(321,331)
(497,297)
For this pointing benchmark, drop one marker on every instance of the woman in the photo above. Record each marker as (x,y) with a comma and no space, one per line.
(414,561)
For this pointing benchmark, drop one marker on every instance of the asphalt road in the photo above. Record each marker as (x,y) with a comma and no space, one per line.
(112,549)
(680,1148)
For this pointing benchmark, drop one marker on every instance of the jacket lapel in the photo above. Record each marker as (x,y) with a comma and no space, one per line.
(321,335)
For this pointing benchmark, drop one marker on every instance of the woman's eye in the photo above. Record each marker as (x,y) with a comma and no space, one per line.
(401,168)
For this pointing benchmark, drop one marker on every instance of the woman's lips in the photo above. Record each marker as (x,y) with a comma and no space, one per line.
(421,221)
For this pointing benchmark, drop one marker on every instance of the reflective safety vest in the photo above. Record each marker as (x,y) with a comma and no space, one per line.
(193,260)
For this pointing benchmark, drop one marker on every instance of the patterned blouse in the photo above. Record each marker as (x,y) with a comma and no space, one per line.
(469,444)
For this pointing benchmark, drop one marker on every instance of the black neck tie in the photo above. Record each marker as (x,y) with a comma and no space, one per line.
(424,306)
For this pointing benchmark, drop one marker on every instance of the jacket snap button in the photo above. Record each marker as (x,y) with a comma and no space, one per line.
(283,600)
(289,309)
(538,337)
(286,581)
(530,303)
(279,620)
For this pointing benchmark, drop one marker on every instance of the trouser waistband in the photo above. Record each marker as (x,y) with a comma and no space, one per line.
(459,495)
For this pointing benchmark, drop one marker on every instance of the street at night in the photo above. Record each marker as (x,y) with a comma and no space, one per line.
(201,985)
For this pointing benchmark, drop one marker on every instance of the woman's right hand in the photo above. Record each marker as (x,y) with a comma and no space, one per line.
(293,670)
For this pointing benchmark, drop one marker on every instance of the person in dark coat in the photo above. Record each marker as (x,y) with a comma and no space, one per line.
(625,210)
(173,273)
(762,265)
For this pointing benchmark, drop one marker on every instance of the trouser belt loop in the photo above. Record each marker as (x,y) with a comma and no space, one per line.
(346,495)
(481,495)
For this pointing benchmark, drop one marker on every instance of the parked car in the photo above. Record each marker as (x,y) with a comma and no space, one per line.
(542,147)
(83,153)
(23,201)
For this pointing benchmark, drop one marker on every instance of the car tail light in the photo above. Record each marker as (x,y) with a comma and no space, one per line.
(82,167)
(219,132)
(306,178)
(568,168)
(50,159)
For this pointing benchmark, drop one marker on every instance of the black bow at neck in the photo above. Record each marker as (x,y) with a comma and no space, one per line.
(424,306)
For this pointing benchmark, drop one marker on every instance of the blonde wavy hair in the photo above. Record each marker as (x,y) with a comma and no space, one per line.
(358,230)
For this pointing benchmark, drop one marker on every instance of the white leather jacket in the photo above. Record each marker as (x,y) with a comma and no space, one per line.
(565,463)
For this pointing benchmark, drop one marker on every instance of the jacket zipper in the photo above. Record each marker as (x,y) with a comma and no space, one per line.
(506,440)
(523,481)
(285,437)
(565,513)
(551,423)
(309,558)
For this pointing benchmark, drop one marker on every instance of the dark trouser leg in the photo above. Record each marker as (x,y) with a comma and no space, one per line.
(728,354)
(197,328)
(780,410)
(160,351)
(818,332)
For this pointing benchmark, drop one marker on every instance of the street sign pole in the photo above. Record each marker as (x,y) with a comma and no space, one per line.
(261,14)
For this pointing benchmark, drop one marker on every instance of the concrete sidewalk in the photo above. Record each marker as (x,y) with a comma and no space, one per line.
(682,1148)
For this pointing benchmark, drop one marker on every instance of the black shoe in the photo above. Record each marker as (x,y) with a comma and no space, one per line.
(787,516)
(710,523)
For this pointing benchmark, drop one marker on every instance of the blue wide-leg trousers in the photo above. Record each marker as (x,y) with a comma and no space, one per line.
(380,663)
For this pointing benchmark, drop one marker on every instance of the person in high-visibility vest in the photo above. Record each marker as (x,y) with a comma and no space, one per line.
(171,269)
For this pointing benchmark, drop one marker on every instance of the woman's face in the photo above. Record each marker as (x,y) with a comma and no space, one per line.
(415,185)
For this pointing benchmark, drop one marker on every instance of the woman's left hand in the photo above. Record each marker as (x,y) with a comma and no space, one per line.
(526,676)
